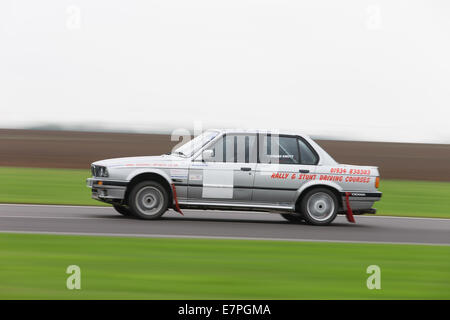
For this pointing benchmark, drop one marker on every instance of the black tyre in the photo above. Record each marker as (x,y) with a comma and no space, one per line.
(319,206)
(148,200)
(292,217)
(125,211)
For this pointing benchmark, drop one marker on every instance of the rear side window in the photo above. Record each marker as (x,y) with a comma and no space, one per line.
(307,155)
(279,149)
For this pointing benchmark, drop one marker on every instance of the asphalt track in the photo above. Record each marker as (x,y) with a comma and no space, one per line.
(219,224)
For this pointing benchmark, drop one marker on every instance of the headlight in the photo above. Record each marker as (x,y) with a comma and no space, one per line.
(104,172)
(99,171)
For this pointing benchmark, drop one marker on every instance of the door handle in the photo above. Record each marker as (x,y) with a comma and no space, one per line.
(303,171)
(246,168)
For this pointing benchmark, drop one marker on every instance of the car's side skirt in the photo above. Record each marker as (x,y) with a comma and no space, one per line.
(235,206)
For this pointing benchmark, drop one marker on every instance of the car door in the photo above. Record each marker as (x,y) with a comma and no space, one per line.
(227,177)
(285,163)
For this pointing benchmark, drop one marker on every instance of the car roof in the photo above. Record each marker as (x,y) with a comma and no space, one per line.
(267,131)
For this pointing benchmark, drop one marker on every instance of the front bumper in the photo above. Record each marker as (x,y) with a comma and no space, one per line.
(111,191)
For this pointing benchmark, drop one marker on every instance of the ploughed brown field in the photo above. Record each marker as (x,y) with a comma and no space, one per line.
(69,149)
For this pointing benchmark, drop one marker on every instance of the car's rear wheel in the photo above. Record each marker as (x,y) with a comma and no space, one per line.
(319,206)
(148,200)
(292,217)
(125,211)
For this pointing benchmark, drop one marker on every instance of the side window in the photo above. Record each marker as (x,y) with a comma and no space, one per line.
(217,149)
(239,148)
(279,149)
(307,156)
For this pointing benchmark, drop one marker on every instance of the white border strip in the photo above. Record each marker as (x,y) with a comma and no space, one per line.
(52,205)
(58,218)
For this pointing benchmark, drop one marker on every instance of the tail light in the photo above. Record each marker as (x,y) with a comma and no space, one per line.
(377,182)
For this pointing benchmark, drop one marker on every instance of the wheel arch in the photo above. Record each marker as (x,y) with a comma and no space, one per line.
(333,187)
(151,175)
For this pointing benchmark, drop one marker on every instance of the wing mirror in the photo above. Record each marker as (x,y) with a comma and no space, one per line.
(207,154)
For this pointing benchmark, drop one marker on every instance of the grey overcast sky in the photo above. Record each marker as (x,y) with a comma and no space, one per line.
(360,69)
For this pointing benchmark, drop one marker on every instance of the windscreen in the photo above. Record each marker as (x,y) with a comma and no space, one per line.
(191,147)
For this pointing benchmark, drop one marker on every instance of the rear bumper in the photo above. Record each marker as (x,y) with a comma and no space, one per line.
(363,196)
(109,191)
(360,202)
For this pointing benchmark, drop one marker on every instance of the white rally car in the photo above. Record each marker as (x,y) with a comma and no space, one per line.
(254,170)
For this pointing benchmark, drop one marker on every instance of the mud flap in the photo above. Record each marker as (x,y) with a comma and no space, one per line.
(177,207)
(349,214)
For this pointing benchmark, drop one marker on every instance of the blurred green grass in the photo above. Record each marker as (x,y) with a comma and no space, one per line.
(67,187)
(45,186)
(414,198)
(34,266)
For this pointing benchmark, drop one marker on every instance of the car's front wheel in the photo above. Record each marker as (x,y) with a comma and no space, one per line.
(148,200)
(319,206)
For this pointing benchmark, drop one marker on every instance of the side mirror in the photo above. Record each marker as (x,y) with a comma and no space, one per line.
(207,154)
